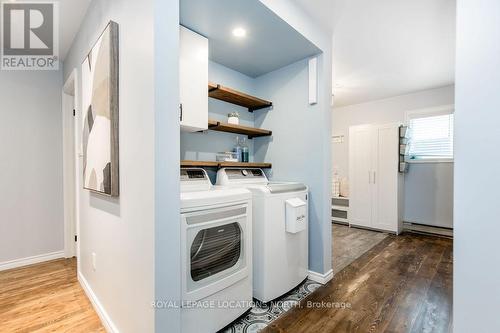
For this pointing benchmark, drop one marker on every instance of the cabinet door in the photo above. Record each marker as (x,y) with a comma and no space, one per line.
(360,162)
(193,80)
(385,178)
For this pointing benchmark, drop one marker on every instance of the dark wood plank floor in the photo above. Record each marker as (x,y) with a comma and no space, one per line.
(403,284)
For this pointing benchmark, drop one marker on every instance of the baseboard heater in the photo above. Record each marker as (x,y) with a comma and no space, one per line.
(428,229)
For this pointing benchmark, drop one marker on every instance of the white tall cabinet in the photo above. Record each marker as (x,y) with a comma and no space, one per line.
(376,186)
(193,81)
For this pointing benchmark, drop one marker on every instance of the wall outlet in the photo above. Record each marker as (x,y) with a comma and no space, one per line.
(94,261)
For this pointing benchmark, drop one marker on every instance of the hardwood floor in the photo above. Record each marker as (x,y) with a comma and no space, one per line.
(403,284)
(351,243)
(45,297)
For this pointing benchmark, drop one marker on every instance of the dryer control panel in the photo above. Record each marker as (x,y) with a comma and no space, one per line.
(194,179)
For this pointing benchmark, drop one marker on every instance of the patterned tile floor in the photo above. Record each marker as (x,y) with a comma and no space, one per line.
(263,313)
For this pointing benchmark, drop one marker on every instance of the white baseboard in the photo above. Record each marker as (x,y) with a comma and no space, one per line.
(101,312)
(321,278)
(30,260)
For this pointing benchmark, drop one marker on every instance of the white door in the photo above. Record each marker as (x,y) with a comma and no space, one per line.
(70,167)
(360,175)
(385,178)
(193,81)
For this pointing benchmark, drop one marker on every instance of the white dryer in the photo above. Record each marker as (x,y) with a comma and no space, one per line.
(216,253)
(280,230)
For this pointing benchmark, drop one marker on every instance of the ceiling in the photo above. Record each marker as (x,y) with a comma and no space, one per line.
(323,11)
(270,42)
(387,48)
(71,14)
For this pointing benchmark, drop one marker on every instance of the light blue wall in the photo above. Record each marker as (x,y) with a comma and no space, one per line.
(121,231)
(31,136)
(296,148)
(296,151)
(315,129)
(476,295)
(204,145)
(300,147)
(134,237)
(167,181)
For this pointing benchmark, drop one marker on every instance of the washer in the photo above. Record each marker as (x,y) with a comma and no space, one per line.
(280,249)
(216,253)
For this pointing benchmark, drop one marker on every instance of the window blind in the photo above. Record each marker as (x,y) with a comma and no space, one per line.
(431,137)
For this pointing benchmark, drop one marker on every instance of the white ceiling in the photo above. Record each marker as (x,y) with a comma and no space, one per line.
(71,14)
(387,48)
(271,43)
(323,11)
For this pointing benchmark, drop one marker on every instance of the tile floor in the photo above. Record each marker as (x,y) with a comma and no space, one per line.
(263,313)
(350,243)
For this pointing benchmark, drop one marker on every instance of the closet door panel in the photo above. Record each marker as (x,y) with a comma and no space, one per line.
(360,161)
(385,178)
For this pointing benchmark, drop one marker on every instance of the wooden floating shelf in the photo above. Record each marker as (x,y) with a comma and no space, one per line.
(251,132)
(229,95)
(213,164)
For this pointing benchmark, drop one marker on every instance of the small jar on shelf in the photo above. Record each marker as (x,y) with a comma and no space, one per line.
(233,118)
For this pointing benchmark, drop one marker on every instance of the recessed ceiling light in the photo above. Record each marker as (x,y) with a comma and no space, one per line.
(239,32)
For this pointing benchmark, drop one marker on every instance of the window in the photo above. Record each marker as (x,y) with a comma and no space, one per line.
(431,137)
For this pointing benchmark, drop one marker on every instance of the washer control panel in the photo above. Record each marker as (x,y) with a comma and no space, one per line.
(233,174)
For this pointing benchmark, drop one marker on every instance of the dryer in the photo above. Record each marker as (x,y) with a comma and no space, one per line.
(216,253)
(280,230)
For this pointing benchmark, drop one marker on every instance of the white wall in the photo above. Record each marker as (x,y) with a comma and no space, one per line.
(476,294)
(121,231)
(31,209)
(428,187)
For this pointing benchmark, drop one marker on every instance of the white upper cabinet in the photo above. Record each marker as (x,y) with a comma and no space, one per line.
(375,183)
(193,79)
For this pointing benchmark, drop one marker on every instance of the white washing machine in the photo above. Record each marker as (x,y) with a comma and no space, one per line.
(280,230)
(216,253)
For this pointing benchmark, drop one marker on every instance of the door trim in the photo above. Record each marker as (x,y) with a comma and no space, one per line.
(70,165)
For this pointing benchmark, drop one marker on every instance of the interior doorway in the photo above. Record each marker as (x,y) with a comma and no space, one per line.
(70,166)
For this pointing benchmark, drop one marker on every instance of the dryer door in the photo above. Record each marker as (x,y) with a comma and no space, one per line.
(215,253)
(215,250)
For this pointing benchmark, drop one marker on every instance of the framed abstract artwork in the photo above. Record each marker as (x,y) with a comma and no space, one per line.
(100,115)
